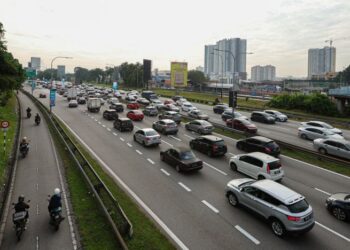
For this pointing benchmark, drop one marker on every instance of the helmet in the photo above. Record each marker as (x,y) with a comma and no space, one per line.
(57,191)
(24,138)
(21,198)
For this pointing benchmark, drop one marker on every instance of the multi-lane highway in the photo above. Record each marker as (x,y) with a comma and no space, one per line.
(37,176)
(192,207)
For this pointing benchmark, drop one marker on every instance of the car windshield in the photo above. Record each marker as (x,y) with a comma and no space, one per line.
(325,125)
(245,122)
(272,145)
(299,206)
(186,155)
(237,114)
(277,113)
(220,143)
(151,133)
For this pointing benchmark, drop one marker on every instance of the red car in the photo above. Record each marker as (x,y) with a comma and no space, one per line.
(242,125)
(135,115)
(168,102)
(133,105)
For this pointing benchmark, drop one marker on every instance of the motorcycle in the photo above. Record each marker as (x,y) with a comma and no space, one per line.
(20,221)
(29,114)
(37,121)
(55,217)
(24,148)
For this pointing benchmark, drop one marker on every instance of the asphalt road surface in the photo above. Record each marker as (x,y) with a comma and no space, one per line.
(37,176)
(193,206)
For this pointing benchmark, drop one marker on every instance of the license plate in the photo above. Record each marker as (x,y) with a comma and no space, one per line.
(277,172)
(308,217)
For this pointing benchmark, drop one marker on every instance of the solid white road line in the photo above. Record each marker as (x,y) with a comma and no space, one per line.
(320,190)
(189,136)
(167,143)
(178,139)
(165,172)
(139,152)
(248,235)
(210,206)
(122,139)
(332,231)
(221,172)
(149,160)
(132,193)
(185,187)
(115,134)
(129,144)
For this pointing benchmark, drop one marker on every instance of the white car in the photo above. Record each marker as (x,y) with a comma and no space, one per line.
(187,106)
(319,124)
(312,133)
(258,166)
(73,104)
(156,102)
(181,101)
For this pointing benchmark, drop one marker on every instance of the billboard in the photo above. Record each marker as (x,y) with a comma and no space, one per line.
(178,74)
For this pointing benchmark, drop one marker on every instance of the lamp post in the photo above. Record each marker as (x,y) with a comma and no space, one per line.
(222,73)
(53,59)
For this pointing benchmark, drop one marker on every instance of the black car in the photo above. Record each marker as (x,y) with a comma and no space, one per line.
(227,114)
(123,124)
(143,101)
(181,158)
(110,114)
(220,108)
(81,100)
(172,115)
(259,144)
(210,145)
(117,107)
(339,205)
(259,116)
(177,97)
(150,111)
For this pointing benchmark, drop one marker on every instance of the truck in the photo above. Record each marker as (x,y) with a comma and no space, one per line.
(72,94)
(94,105)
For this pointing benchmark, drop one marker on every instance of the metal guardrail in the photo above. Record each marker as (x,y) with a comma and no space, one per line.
(281,143)
(112,210)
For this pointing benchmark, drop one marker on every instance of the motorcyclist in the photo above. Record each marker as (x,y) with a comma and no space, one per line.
(55,203)
(24,142)
(21,206)
(29,110)
(37,118)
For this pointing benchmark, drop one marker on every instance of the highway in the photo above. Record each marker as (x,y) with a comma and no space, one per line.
(193,206)
(37,176)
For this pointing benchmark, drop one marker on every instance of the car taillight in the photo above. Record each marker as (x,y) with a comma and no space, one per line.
(292,218)
(268,168)
(215,147)
(267,150)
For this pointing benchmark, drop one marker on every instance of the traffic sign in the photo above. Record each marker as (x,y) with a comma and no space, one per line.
(5,124)
(52,97)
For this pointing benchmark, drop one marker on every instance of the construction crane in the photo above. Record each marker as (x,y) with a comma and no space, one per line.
(330,41)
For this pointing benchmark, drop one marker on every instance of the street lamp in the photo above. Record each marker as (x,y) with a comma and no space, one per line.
(64,57)
(222,73)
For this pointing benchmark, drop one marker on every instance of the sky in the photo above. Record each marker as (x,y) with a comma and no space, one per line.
(110,32)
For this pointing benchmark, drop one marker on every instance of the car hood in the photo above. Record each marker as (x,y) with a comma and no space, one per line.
(237,182)
(336,136)
(336,130)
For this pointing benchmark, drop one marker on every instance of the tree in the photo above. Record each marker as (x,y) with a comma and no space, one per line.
(96,75)
(46,74)
(344,76)
(132,74)
(81,74)
(196,77)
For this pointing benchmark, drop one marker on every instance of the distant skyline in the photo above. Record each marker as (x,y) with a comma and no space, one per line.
(105,32)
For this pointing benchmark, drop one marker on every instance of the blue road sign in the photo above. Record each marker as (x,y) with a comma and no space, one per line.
(52,97)
(115,85)
(33,85)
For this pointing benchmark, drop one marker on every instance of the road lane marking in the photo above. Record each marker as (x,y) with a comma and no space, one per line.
(210,206)
(320,190)
(129,144)
(139,152)
(96,120)
(189,136)
(92,117)
(37,242)
(178,139)
(108,129)
(131,192)
(165,172)
(332,231)
(221,172)
(122,139)
(137,127)
(185,187)
(103,125)
(167,143)
(37,209)
(99,123)
(115,134)
(37,187)
(148,159)
(248,235)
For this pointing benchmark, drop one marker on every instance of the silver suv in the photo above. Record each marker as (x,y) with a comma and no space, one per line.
(286,210)
(165,126)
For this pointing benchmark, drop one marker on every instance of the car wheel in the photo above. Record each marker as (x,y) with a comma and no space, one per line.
(178,169)
(261,177)
(232,199)
(240,146)
(339,213)
(303,136)
(322,151)
(134,138)
(233,166)
(143,143)
(278,228)
(162,157)
(210,153)
(191,145)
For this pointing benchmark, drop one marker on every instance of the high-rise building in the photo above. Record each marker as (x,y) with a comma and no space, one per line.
(263,73)
(321,61)
(61,71)
(35,63)
(226,58)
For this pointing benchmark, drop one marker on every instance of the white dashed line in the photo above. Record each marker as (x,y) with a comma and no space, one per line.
(189,136)
(99,123)
(178,139)
(115,134)
(139,152)
(103,125)
(37,242)
(37,187)
(92,117)
(137,127)
(210,206)
(332,231)
(185,187)
(221,172)
(37,209)
(122,139)
(129,145)
(248,235)
(167,143)
(165,172)
(108,129)
(320,190)
(148,159)
(96,120)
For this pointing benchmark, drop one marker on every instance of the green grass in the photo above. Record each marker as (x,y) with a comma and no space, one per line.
(146,234)
(8,113)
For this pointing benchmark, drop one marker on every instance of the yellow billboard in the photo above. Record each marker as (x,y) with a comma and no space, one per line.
(178,74)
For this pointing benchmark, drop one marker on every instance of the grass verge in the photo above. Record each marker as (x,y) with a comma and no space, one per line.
(7,113)
(146,234)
